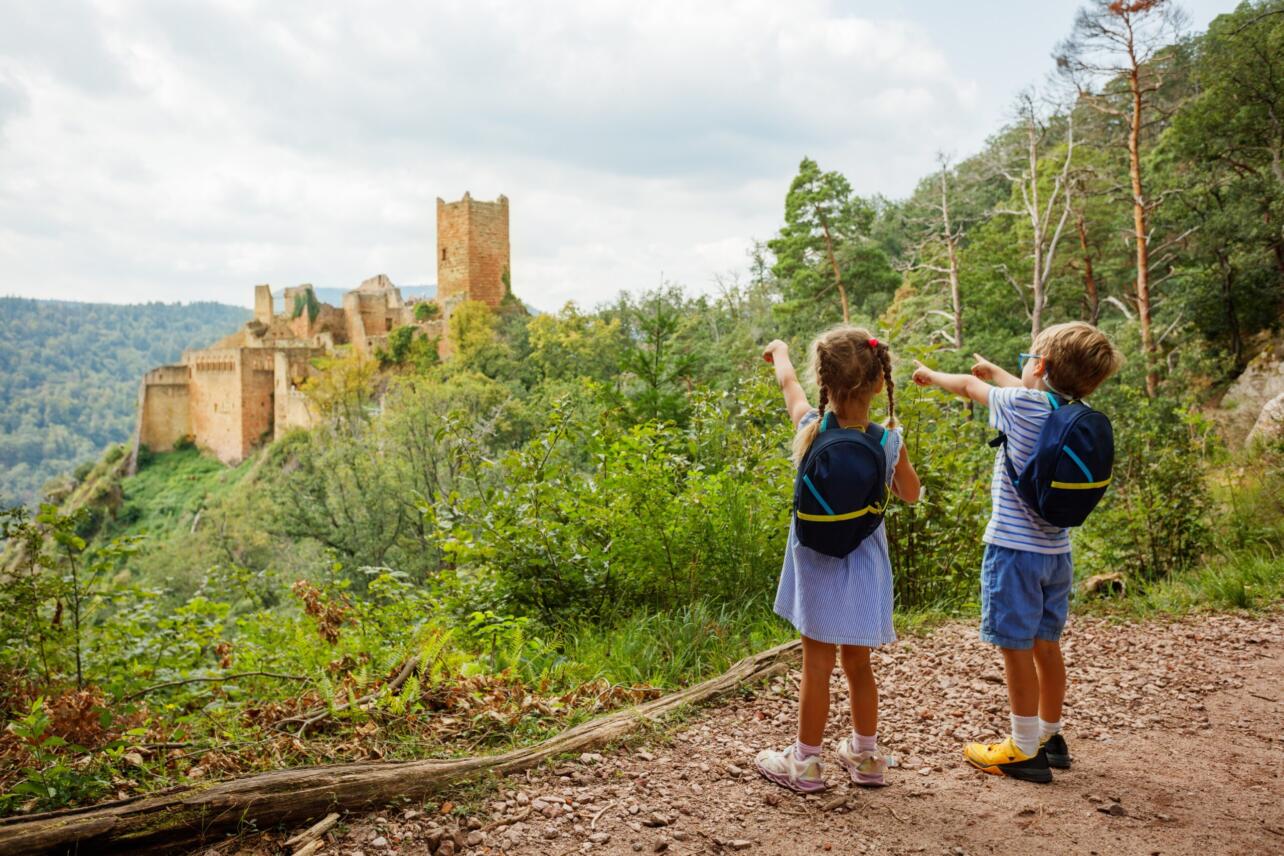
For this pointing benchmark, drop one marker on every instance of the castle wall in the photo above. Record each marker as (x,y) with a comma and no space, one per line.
(472,250)
(352,319)
(215,394)
(164,414)
(257,390)
(373,308)
(291,407)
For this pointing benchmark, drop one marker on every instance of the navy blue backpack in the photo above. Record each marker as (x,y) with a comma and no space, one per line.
(1070,466)
(841,488)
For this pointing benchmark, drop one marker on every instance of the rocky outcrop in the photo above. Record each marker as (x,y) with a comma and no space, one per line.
(1261,383)
(1269,427)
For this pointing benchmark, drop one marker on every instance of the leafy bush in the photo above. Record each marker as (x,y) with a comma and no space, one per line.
(935,544)
(598,521)
(1154,519)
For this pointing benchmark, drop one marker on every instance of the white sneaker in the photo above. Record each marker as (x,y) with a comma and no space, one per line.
(866,768)
(784,768)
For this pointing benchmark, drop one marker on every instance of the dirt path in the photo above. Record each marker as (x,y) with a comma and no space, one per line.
(1177,731)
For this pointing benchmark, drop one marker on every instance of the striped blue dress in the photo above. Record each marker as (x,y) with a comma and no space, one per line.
(845,601)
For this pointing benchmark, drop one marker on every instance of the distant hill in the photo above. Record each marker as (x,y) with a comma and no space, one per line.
(69,376)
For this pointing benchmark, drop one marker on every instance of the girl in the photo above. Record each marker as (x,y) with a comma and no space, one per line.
(844,603)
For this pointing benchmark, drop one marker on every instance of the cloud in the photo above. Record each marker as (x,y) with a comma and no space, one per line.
(13,100)
(172,150)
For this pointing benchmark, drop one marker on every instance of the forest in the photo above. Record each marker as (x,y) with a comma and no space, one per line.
(69,375)
(581,509)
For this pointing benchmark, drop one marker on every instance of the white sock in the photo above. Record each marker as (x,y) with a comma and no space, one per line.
(1047,729)
(803,751)
(1025,733)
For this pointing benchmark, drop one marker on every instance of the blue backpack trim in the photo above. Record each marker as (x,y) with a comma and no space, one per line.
(1079,461)
(811,487)
(1049,483)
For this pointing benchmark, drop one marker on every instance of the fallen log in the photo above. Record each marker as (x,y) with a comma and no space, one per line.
(193,815)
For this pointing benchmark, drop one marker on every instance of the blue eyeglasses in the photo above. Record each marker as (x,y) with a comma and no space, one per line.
(1021,359)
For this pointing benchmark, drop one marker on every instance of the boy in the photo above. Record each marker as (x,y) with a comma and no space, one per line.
(1026,574)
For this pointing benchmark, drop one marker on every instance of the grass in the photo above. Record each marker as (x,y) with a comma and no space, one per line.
(1249,580)
(1243,568)
(685,646)
(673,648)
(166,494)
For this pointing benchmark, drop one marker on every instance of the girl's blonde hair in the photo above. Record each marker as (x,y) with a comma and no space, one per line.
(846,363)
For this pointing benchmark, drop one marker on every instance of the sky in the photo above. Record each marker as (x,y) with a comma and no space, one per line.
(178,151)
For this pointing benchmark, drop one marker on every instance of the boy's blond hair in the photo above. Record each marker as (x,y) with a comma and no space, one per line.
(1077,357)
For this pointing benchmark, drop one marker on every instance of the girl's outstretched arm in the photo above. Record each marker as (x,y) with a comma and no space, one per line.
(905,483)
(777,353)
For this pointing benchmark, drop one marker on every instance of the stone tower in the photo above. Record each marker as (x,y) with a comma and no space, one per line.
(472,250)
(263,304)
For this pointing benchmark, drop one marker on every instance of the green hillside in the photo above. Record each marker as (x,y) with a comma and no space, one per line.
(69,376)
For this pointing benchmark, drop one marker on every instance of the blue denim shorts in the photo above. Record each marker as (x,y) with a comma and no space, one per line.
(1024,596)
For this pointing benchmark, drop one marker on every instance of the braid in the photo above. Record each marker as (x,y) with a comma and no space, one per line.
(821,370)
(824,379)
(885,358)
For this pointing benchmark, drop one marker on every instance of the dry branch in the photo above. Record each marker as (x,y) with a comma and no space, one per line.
(214,679)
(312,717)
(314,832)
(192,815)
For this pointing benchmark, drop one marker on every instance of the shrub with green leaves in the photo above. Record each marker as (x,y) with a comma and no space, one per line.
(1154,519)
(935,544)
(599,520)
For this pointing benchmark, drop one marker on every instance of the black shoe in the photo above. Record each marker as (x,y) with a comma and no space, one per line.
(1057,751)
(1001,759)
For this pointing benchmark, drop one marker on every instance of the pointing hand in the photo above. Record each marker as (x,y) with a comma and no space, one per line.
(922,374)
(769,352)
(983,368)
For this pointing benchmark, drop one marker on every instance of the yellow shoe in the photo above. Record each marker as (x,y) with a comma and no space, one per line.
(1005,759)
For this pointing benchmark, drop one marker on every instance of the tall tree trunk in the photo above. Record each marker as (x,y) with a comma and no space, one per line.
(1092,300)
(956,299)
(1140,229)
(1228,298)
(1036,284)
(1277,245)
(833,261)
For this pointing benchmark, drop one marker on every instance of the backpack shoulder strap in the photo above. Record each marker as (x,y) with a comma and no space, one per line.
(877,433)
(1002,440)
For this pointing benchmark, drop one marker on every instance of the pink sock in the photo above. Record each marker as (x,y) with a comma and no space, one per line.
(803,751)
(865,744)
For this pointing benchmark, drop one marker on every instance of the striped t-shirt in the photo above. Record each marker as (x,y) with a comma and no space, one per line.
(1019,413)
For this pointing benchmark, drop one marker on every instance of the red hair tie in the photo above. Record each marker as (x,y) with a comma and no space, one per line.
(873,343)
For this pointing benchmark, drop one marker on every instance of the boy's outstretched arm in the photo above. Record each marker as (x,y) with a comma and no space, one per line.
(989,372)
(960,384)
(777,353)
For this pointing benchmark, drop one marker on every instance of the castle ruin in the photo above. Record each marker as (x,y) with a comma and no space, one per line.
(245,390)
